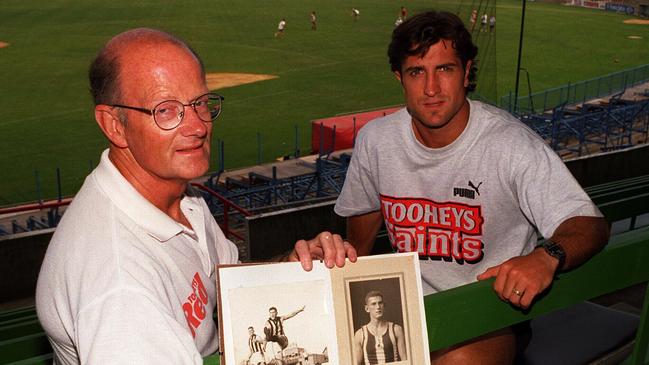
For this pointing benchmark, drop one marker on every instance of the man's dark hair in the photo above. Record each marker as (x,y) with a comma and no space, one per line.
(104,72)
(271,308)
(417,34)
(373,293)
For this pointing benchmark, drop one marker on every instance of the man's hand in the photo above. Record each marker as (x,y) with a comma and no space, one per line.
(520,279)
(326,246)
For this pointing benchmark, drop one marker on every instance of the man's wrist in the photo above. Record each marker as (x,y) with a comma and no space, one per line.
(556,252)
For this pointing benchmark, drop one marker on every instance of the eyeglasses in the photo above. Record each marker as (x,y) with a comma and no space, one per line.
(169,113)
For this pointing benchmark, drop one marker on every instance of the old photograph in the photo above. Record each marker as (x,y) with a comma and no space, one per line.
(286,320)
(379,311)
(378,321)
(368,312)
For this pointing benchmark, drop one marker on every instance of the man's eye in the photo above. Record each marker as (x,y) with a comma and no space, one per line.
(416,72)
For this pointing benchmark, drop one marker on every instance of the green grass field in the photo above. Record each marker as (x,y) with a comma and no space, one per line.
(47,118)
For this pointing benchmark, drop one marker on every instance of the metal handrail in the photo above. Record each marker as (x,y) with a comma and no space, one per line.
(227,204)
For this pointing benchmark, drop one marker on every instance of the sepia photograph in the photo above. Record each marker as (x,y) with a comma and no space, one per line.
(379,309)
(378,321)
(287,320)
(368,312)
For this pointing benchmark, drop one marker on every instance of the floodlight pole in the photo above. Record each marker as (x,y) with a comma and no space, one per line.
(520,51)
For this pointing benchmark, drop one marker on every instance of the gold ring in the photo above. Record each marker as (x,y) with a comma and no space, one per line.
(517,292)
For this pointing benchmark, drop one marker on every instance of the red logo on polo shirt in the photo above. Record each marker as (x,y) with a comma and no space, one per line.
(194,307)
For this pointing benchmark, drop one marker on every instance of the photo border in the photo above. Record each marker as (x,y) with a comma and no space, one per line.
(404,266)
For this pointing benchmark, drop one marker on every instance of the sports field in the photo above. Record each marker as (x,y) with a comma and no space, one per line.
(47,119)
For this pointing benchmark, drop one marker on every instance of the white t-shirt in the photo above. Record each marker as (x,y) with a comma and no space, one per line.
(123,283)
(281,25)
(467,206)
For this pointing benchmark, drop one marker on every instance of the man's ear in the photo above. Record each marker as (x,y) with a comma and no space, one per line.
(467,71)
(367,309)
(113,128)
(397,74)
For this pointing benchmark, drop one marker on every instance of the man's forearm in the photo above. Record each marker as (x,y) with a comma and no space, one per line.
(581,238)
(362,230)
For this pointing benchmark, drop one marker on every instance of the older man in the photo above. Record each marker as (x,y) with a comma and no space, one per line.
(129,276)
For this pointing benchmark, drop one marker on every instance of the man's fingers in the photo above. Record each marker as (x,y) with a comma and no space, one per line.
(489,273)
(340,250)
(512,290)
(513,294)
(325,246)
(527,298)
(350,251)
(303,254)
(326,241)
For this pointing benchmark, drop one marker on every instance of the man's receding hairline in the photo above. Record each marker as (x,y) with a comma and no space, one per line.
(137,35)
(144,36)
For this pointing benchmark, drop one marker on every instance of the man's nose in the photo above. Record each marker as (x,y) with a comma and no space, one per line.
(192,125)
(432,84)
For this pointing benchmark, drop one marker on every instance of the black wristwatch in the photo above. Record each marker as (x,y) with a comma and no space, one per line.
(555,250)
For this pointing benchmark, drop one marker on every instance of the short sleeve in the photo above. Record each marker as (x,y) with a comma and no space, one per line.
(360,192)
(547,191)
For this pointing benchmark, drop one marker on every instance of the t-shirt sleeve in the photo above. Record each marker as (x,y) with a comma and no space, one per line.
(547,191)
(128,327)
(360,192)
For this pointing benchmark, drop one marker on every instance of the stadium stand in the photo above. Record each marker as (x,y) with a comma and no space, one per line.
(630,81)
(614,122)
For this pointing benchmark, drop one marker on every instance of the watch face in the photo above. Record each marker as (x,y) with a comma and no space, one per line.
(555,250)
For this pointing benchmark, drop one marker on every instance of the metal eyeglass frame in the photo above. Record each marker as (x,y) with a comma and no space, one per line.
(192,103)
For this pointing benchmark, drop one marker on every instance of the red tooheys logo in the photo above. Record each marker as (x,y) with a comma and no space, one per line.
(194,307)
(436,230)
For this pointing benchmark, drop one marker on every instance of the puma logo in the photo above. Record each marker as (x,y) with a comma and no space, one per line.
(476,188)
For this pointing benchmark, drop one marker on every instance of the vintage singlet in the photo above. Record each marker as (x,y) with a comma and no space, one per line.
(276,326)
(254,345)
(380,349)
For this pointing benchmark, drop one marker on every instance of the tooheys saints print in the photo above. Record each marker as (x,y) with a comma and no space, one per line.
(448,231)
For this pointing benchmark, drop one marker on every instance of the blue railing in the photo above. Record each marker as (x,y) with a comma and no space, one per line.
(576,93)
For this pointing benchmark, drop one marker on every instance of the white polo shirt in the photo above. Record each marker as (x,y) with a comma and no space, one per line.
(122,282)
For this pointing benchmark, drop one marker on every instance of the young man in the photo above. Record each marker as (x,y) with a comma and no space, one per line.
(129,276)
(257,348)
(464,184)
(483,23)
(314,24)
(280,28)
(379,341)
(474,18)
(274,328)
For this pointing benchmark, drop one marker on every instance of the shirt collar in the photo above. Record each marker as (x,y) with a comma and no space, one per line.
(127,199)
